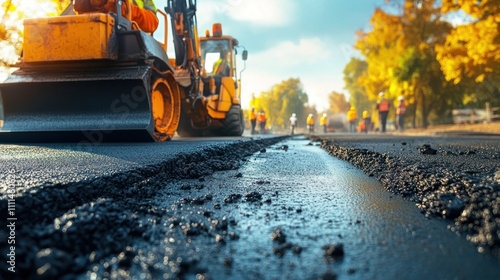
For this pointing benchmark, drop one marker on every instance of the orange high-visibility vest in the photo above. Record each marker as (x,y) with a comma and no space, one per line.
(310,120)
(383,105)
(401,108)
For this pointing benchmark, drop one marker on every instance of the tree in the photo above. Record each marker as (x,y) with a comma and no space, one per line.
(338,103)
(359,98)
(380,47)
(282,100)
(12,13)
(470,56)
(401,58)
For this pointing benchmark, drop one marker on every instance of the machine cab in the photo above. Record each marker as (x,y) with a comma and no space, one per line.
(214,53)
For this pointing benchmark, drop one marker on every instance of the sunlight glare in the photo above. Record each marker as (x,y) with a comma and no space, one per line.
(13,21)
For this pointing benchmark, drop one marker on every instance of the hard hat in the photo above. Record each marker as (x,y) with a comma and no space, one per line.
(352,108)
(381,94)
(310,115)
(401,97)
(324,115)
(293,115)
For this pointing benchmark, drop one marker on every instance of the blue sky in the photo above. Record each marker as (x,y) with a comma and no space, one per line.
(307,39)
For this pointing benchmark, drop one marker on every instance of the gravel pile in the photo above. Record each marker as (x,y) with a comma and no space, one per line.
(66,230)
(445,177)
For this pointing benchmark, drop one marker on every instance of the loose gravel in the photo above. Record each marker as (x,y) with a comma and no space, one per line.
(63,229)
(445,177)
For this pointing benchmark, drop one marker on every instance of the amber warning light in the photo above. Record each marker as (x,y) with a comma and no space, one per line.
(217,29)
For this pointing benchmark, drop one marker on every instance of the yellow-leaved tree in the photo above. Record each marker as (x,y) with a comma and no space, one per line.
(338,103)
(472,49)
(399,51)
(358,96)
(470,56)
(12,14)
(282,100)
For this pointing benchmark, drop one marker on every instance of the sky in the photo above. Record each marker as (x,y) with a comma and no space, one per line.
(307,39)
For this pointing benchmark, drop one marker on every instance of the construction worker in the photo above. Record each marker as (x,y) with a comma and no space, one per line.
(400,113)
(323,122)
(220,69)
(351,118)
(367,120)
(261,119)
(253,120)
(293,123)
(382,107)
(310,123)
(143,11)
(221,66)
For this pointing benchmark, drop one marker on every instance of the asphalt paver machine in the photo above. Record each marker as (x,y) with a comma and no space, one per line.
(97,77)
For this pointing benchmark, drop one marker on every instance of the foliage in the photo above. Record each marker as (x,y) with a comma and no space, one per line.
(281,101)
(379,47)
(12,13)
(338,103)
(470,56)
(358,96)
(418,54)
(472,50)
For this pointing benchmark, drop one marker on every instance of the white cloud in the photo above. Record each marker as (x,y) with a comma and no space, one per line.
(255,12)
(307,52)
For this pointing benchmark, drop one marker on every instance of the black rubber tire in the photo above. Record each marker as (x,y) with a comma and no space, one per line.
(185,129)
(233,124)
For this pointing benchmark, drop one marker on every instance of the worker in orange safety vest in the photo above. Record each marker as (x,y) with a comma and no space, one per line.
(382,107)
(261,119)
(400,113)
(143,12)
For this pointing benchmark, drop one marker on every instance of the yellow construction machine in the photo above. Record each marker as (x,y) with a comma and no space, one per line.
(97,77)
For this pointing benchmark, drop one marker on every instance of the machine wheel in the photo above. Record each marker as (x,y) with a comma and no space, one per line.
(233,124)
(185,128)
(166,107)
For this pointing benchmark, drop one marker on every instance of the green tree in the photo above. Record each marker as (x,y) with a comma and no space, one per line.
(282,100)
(359,98)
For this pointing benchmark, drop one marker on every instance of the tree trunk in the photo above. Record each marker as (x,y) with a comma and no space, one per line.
(415,109)
(424,109)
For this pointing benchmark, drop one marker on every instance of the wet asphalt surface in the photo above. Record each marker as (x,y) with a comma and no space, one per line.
(266,209)
(452,176)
